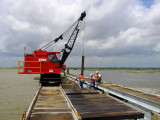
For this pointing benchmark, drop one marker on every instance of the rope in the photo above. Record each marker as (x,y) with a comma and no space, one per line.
(63,35)
(54,46)
(69,28)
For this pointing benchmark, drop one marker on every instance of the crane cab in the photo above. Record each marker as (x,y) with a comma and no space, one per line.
(47,64)
(40,62)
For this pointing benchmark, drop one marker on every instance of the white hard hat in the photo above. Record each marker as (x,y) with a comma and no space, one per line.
(97,72)
(91,74)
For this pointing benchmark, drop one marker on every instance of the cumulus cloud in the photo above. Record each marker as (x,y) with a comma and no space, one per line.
(16,24)
(117,32)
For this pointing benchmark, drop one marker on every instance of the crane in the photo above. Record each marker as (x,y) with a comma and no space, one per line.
(48,64)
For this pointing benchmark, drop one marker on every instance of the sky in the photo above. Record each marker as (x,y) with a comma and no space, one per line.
(117,33)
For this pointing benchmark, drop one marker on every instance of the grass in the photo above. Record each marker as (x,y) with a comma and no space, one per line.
(36,78)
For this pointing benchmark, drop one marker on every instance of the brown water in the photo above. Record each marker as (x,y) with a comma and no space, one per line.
(16,93)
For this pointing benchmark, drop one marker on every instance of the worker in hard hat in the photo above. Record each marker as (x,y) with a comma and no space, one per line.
(92,81)
(67,70)
(81,81)
(98,79)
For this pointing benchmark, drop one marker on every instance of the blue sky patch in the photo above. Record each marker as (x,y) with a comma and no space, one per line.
(147,3)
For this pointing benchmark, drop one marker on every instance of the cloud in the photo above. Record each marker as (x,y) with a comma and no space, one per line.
(117,32)
(16,24)
(157,48)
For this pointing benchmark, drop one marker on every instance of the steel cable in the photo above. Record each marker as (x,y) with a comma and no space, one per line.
(63,35)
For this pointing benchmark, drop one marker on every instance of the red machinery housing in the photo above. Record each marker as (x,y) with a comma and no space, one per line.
(49,64)
(40,62)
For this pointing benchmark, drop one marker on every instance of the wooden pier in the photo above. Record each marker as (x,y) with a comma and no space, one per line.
(147,102)
(97,106)
(67,102)
(140,94)
(51,105)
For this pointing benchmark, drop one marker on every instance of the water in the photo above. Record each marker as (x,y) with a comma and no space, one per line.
(149,82)
(17,91)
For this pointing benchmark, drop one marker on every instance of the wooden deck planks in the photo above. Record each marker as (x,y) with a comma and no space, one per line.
(51,105)
(52,116)
(98,106)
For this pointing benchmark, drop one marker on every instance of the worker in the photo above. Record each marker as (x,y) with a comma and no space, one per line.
(64,71)
(67,70)
(81,80)
(98,79)
(92,81)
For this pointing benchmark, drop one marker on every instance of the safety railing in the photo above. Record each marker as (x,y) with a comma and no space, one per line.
(23,67)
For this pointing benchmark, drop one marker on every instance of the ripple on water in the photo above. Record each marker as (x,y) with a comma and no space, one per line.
(17,92)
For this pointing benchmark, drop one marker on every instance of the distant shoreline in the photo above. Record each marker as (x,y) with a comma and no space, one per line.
(128,70)
(116,69)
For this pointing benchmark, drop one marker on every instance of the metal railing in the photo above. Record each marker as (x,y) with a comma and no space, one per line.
(26,115)
(19,66)
(148,107)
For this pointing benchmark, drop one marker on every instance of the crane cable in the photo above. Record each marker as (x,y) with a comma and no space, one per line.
(69,28)
(63,35)
(53,46)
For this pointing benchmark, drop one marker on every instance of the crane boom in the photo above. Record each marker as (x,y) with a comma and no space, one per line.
(69,46)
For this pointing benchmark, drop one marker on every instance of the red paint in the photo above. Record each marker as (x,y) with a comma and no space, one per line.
(38,62)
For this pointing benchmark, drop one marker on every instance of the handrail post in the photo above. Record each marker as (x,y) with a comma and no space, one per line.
(18,66)
(23,65)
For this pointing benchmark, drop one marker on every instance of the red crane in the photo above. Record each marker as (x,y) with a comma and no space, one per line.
(48,64)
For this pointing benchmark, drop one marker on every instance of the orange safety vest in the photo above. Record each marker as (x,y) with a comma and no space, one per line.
(81,77)
(92,78)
